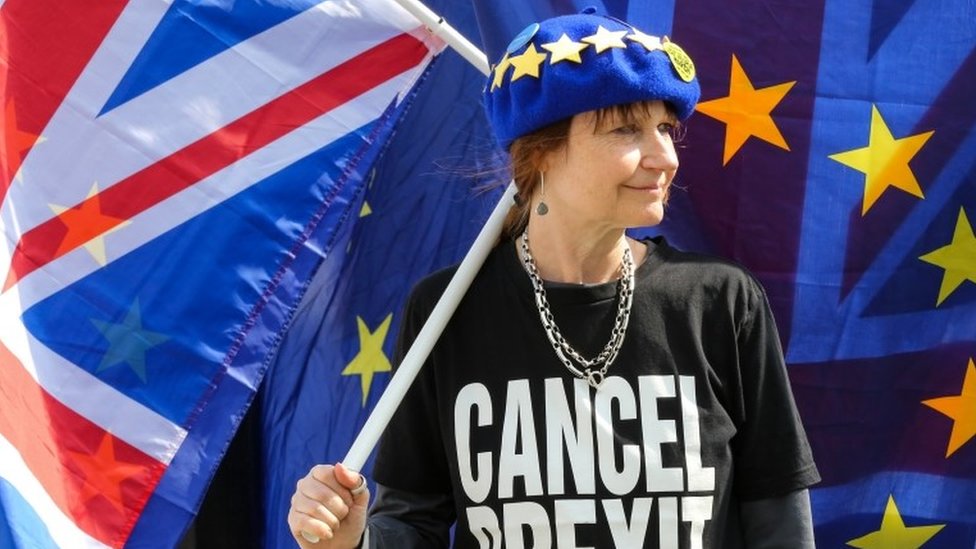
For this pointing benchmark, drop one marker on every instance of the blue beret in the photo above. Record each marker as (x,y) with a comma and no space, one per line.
(571,64)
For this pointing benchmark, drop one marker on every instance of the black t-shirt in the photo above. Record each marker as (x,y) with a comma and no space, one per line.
(694,416)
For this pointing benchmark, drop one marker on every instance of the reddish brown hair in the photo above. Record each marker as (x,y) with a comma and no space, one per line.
(526,155)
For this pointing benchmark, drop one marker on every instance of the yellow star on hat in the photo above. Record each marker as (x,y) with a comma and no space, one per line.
(527,63)
(500,73)
(564,49)
(605,39)
(651,43)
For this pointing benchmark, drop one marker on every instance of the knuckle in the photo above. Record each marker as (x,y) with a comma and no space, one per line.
(321,472)
(338,506)
(323,530)
(327,516)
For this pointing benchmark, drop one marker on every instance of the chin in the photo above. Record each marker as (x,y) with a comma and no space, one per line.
(651,216)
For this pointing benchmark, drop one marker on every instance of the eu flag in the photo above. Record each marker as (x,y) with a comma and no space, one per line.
(832,155)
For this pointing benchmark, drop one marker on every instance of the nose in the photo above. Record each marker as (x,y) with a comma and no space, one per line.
(659,153)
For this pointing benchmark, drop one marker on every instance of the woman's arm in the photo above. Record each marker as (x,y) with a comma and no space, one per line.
(400,519)
(783,522)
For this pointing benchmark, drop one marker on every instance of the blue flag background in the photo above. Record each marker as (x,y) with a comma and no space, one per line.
(832,155)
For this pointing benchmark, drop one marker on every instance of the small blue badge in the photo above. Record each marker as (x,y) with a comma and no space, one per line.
(522,38)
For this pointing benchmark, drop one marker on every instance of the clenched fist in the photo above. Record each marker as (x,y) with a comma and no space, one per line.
(328,508)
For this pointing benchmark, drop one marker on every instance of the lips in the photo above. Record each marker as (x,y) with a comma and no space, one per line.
(648,188)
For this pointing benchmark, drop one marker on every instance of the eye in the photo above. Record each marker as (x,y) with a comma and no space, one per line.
(626,129)
(666,127)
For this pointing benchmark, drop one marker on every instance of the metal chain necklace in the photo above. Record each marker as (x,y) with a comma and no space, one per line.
(593,371)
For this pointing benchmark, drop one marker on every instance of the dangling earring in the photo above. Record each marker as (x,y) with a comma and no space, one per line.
(542,209)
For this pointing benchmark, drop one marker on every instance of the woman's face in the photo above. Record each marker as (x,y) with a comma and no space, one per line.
(614,173)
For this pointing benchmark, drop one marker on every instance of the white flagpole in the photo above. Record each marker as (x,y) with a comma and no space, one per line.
(407,371)
(441,29)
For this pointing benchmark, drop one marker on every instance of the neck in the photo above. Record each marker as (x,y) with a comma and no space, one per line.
(578,255)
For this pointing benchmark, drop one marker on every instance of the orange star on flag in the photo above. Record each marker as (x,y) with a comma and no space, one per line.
(15,143)
(86,226)
(884,161)
(103,474)
(746,111)
(961,408)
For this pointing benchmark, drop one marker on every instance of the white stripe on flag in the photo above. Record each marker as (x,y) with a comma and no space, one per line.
(209,192)
(87,395)
(62,530)
(80,150)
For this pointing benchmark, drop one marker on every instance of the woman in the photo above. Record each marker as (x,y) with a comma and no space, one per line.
(591,390)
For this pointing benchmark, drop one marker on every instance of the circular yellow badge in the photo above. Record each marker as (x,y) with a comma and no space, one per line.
(680,61)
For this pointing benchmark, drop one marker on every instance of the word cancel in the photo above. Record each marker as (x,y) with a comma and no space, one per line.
(552,464)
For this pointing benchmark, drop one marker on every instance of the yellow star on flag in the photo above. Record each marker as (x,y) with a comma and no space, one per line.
(745,111)
(365,210)
(894,534)
(961,408)
(370,359)
(564,49)
(884,161)
(605,39)
(527,63)
(500,69)
(958,258)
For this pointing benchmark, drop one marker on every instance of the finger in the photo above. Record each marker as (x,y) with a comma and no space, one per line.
(347,477)
(327,475)
(355,482)
(299,522)
(330,512)
(336,503)
(322,473)
(331,492)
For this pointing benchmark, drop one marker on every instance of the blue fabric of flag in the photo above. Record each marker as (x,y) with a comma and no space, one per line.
(192,31)
(342,183)
(19,521)
(425,201)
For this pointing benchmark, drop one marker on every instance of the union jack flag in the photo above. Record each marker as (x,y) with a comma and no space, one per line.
(171,173)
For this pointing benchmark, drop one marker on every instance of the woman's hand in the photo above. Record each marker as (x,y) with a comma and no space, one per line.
(329,507)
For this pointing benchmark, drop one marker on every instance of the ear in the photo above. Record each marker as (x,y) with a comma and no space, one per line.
(541,160)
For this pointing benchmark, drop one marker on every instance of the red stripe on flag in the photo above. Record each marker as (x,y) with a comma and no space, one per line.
(44,45)
(182,169)
(99,481)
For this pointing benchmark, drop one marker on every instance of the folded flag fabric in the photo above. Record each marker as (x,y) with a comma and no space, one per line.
(171,173)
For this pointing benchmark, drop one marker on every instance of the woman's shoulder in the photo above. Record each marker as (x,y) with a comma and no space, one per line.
(429,288)
(702,270)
